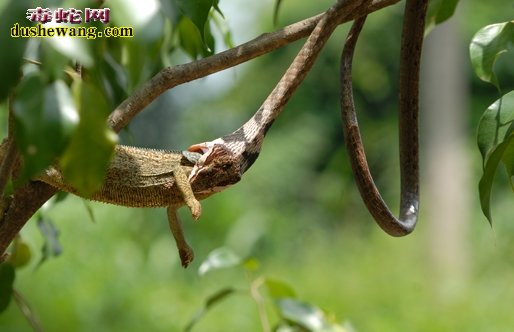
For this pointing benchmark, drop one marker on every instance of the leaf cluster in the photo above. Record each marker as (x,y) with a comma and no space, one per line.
(292,313)
(496,127)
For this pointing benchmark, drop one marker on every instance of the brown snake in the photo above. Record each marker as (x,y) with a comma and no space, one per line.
(412,41)
(236,152)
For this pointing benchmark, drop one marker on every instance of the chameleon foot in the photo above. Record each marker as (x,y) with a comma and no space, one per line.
(186,255)
(196,208)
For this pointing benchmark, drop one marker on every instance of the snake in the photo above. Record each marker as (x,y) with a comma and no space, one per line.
(237,151)
(411,46)
(233,154)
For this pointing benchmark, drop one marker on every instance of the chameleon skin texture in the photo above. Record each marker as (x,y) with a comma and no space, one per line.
(137,177)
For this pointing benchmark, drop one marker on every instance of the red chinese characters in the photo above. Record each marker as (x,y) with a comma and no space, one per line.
(70,15)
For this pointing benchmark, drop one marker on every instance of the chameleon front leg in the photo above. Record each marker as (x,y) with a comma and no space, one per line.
(182,182)
(184,250)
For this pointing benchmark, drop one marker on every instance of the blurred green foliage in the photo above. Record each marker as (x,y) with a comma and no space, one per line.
(496,128)
(297,210)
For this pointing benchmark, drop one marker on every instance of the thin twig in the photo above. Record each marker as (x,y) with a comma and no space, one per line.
(9,151)
(27,311)
(259,300)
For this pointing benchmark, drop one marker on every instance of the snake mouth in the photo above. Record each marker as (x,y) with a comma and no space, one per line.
(200,148)
(205,149)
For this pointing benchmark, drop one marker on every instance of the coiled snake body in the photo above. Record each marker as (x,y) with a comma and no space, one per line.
(412,40)
(236,152)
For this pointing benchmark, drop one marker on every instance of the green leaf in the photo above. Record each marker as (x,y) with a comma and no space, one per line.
(51,246)
(134,58)
(197,11)
(303,314)
(210,302)
(113,78)
(192,42)
(45,118)
(487,44)
(21,253)
(223,28)
(89,211)
(6,285)
(76,49)
(88,155)
(508,160)
(53,63)
(438,12)
(276,9)
(13,47)
(495,125)
(495,141)
(486,181)
(278,289)
(218,259)
(215,5)
(209,41)
(251,264)
(171,10)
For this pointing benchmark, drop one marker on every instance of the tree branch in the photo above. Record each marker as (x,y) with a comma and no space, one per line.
(265,43)
(10,154)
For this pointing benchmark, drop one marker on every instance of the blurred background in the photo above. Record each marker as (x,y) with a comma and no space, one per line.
(297,210)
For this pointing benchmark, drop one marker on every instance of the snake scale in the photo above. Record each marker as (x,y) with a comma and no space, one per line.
(236,152)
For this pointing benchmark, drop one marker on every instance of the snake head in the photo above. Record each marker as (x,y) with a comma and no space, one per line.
(217,168)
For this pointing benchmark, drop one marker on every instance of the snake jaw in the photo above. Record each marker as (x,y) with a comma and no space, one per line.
(216,169)
(206,150)
(203,149)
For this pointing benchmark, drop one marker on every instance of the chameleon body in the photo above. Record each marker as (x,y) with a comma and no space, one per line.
(140,177)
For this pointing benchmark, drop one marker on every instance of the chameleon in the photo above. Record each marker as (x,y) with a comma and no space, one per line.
(139,177)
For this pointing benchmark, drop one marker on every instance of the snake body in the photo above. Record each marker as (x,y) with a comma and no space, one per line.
(412,40)
(236,152)
(241,148)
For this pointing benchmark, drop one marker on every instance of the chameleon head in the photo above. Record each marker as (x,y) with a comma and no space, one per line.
(216,169)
